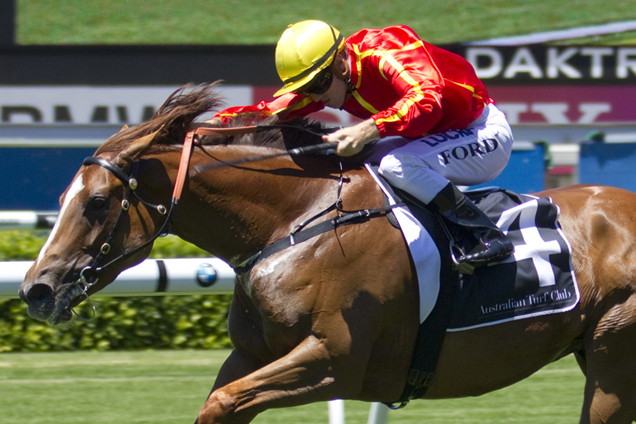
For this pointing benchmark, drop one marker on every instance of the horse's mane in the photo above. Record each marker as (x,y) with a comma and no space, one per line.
(275,132)
(178,113)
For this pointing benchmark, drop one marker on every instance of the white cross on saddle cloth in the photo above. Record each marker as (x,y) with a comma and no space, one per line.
(537,280)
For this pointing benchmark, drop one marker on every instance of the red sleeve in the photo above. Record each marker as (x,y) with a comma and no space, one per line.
(287,106)
(411,72)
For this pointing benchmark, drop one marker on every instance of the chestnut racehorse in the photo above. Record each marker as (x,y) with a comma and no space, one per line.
(336,315)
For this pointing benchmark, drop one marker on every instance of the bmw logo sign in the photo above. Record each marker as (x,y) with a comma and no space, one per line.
(206,275)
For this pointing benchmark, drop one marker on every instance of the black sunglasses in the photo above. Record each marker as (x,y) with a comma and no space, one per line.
(319,84)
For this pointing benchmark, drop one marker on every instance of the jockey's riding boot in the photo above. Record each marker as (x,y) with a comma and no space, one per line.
(494,245)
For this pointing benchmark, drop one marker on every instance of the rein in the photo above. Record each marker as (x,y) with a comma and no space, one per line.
(322,148)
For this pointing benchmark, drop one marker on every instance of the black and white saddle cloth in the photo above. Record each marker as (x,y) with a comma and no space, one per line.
(537,280)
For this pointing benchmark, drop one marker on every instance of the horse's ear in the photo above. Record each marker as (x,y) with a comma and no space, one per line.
(134,150)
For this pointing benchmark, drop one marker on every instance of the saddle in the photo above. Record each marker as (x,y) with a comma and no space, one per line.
(537,280)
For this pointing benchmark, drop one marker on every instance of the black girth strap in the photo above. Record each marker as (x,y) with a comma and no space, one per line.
(308,233)
(432,331)
(430,338)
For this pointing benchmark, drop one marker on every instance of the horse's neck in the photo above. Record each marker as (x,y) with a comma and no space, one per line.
(235,211)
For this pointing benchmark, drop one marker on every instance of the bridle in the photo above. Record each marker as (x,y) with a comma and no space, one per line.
(89,276)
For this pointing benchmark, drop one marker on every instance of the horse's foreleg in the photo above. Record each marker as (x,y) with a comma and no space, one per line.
(304,375)
(236,366)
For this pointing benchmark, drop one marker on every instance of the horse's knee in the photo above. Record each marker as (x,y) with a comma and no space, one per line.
(217,408)
(223,407)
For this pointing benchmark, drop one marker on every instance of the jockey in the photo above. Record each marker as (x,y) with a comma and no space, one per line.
(400,85)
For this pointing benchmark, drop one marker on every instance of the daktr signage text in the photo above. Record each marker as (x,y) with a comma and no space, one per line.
(553,64)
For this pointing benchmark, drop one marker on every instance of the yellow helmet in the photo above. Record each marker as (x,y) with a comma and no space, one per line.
(305,49)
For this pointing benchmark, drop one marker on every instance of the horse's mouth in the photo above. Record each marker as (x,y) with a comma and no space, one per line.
(65,302)
(57,308)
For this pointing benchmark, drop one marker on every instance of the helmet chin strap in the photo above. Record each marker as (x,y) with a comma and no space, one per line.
(347,73)
(350,86)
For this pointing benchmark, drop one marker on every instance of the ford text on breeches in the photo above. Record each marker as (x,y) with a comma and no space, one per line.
(468,156)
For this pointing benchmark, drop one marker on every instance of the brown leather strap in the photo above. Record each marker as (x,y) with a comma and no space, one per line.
(183,166)
(187,152)
(226,131)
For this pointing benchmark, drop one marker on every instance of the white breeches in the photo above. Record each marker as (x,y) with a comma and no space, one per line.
(475,155)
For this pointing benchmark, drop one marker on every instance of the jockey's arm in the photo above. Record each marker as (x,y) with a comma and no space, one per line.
(351,140)
(286,106)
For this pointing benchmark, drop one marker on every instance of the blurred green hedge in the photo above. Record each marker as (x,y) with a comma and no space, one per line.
(161,322)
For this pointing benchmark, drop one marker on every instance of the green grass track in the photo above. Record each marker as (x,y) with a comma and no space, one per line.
(170,386)
(42,22)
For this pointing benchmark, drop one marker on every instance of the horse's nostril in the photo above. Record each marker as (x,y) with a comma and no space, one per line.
(38,293)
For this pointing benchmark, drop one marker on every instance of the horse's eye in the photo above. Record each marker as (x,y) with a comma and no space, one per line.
(98,202)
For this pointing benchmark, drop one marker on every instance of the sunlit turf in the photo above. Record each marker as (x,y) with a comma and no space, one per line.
(170,386)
